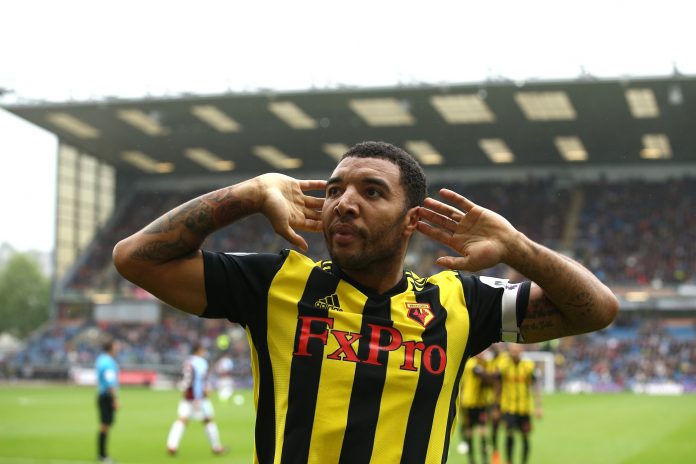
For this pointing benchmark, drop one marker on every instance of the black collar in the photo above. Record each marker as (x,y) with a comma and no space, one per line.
(400,286)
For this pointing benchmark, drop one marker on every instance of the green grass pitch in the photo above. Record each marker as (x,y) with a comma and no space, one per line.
(58,424)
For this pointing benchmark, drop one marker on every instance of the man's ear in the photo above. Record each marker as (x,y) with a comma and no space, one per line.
(411,221)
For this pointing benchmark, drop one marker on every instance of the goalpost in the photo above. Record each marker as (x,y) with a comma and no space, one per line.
(546,368)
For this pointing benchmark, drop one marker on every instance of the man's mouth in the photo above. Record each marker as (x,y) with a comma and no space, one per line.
(344,233)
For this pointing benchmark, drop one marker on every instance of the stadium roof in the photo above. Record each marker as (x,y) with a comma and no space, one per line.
(599,122)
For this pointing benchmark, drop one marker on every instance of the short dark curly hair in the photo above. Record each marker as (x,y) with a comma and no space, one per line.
(412,176)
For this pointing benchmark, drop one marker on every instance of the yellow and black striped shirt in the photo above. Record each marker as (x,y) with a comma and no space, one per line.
(476,390)
(343,374)
(517,379)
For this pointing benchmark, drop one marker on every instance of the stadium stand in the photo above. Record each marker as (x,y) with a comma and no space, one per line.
(617,227)
(628,358)
(639,232)
(630,220)
(619,230)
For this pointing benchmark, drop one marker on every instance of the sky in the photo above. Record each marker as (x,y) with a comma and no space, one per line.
(86,50)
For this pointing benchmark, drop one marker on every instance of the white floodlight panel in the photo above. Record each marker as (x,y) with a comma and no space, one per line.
(424,152)
(642,103)
(71,124)
(571,148)
(142,121)
(546,106)
(209,160)
(462,109)
(145,163)
(292,115)
(497,150)
(335,150)
(382,111)
(215,118)
(656,146)
(276,158)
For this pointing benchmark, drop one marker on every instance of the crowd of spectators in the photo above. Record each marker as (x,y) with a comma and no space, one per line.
(629,357)
(639,232)
(629,232)
(162,346)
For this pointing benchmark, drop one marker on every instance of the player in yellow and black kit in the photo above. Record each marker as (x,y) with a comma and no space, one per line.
(517,383)
(475,399)
(356,359)
(500,357)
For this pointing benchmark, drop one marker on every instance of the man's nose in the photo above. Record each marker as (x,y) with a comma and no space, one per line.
(347,204)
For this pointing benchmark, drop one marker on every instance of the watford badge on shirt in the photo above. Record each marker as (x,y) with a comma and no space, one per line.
(420,312)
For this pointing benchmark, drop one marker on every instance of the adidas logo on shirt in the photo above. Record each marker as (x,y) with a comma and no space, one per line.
(329,302)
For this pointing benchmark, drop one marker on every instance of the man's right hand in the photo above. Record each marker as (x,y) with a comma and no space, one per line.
(165,259)
(288,208)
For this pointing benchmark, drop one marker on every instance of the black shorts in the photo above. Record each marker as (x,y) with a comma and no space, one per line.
(521,422)
(474,416)
(105,402)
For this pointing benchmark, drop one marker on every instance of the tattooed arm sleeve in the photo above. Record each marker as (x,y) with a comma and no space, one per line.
(165,259)
(565,298)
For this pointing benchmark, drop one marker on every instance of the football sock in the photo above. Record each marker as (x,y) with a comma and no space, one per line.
(470,441)
(525,448)
(484,450)
(175,434)
(508,447)
(494,435)
(213,435)
(102,444)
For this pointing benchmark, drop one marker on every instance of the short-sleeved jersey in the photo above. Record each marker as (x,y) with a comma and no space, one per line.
(195,377)
(500,360)
(107,373)
(516,379)
(494,367)
(343,374)
(475,386)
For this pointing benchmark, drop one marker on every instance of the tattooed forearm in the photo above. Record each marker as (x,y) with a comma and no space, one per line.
(575,296)
(536,326)
(163,251)
(582,301)
(202,216)
(565,299)
(541,308)
(195,215)
(228,207)
(198,218)
(180,232)
(541,314)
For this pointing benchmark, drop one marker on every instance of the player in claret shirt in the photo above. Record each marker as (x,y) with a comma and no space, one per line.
(195,403)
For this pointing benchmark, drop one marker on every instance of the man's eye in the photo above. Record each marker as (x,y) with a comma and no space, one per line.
(331,191)
(373,193)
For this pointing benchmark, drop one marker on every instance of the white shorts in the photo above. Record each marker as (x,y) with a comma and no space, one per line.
(225,383)
(196,410)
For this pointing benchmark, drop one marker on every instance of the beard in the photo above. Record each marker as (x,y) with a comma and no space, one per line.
(365,259)
(381,246)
